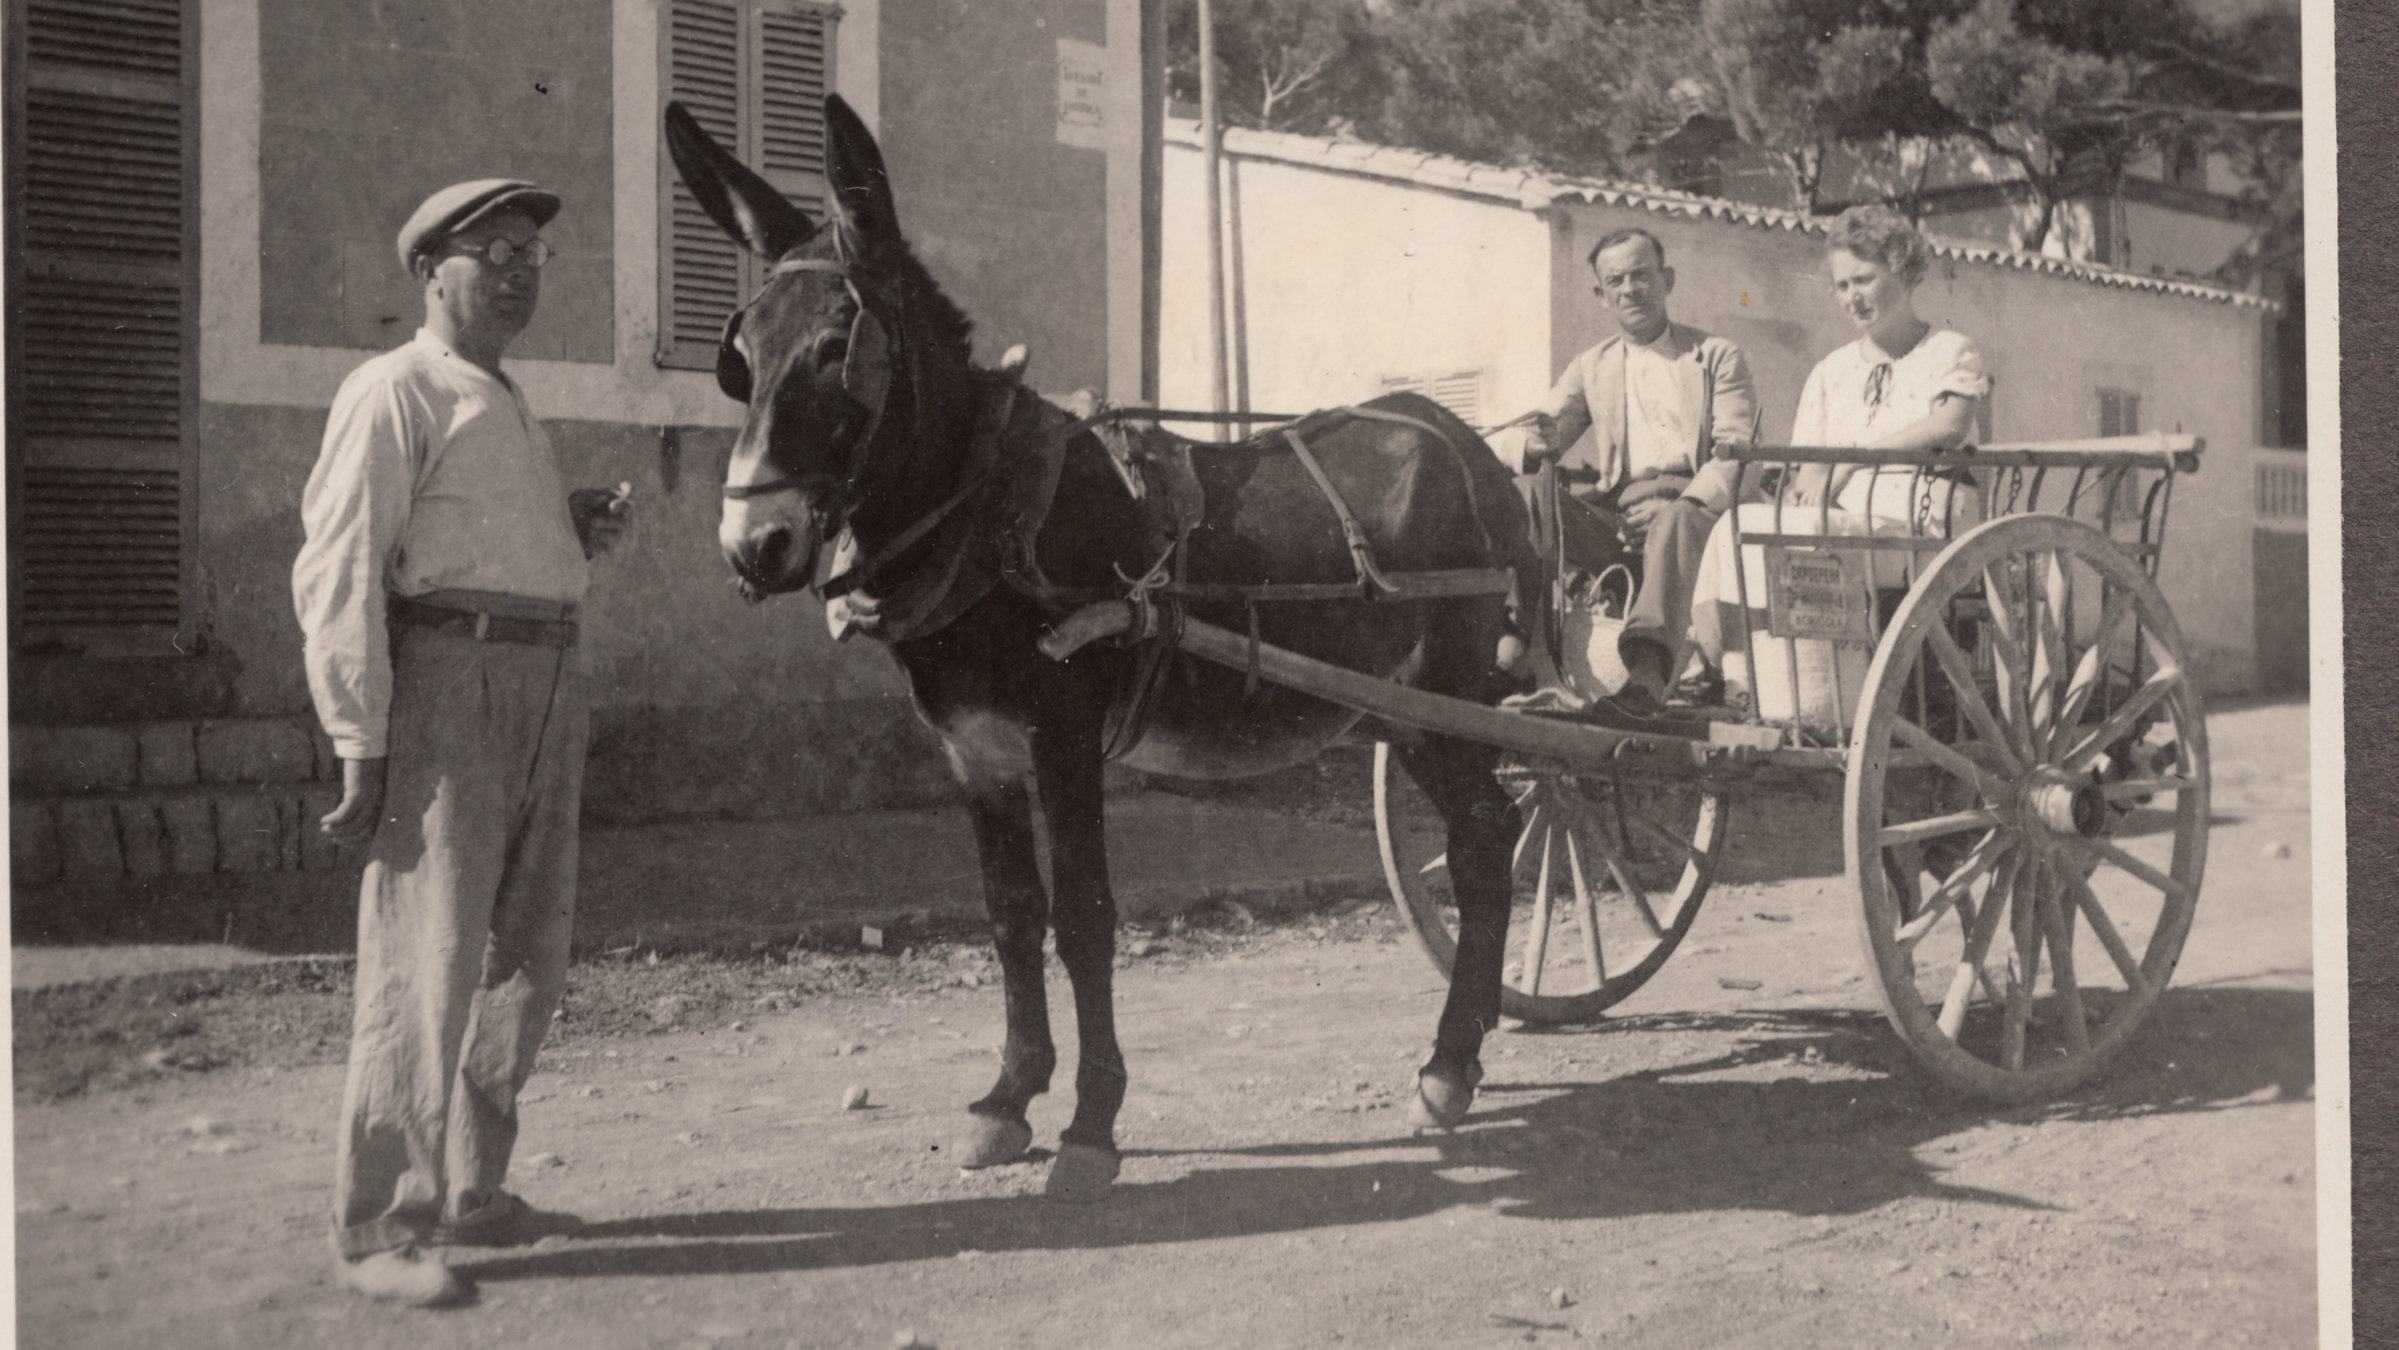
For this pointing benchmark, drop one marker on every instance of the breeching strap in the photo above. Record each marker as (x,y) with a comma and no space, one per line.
(1360,551)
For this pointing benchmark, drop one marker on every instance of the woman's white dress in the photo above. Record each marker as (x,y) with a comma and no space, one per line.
(1855,396)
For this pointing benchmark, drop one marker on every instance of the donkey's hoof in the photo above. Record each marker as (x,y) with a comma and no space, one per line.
(1083,1174)
(992,1140)
(1441,1102)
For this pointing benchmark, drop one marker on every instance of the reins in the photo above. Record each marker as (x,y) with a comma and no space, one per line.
(866,378)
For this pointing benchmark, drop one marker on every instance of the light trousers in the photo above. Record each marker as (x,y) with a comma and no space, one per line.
(1587,530)
(463,923)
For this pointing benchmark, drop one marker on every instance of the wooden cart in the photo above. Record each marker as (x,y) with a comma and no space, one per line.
(1988,678)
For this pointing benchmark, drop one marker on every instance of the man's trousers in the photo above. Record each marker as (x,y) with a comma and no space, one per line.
(1588,528)
(463,921)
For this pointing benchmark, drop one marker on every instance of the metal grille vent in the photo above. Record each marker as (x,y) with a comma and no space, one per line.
(2282,491)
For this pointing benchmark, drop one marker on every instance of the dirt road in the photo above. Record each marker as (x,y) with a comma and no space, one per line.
(1718,1166)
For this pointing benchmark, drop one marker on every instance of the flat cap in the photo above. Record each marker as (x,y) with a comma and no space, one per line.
(462,204)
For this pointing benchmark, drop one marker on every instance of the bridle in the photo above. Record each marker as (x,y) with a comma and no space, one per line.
(865,369)
(866,379)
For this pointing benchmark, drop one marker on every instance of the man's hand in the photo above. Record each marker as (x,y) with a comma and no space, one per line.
(353,822)
(1641,515)
(600,515)
(1540,441)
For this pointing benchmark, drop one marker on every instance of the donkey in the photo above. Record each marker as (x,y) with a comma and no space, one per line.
(944,486)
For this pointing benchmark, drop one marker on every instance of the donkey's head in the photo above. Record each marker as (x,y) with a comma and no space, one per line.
(842,349)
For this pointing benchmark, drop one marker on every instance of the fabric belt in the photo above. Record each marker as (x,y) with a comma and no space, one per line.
(482,625)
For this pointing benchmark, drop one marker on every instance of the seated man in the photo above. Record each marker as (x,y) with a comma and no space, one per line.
(1659,399)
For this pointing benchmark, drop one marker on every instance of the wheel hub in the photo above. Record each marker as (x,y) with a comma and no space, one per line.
(2063,805)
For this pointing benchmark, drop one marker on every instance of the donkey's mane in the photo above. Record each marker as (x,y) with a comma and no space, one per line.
(944,323)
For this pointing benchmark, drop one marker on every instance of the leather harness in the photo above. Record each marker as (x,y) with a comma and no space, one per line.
(1027,473)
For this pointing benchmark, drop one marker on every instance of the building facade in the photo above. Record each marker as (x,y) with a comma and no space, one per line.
(202,200)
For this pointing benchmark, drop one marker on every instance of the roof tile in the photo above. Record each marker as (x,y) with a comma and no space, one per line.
(1532,191)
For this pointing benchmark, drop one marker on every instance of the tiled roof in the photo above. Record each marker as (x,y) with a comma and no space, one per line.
(1533,189)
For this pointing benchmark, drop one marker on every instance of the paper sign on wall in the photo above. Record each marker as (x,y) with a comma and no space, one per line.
(1082,94)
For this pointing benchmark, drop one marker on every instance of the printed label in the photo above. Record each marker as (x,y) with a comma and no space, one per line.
(1816,594)
(1082,94)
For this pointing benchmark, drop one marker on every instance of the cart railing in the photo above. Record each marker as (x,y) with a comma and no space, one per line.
(2154,450)
(1812,585)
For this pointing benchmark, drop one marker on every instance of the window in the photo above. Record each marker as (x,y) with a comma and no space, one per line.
(2119,412)
(1460,391)
(755,74)
(100,381)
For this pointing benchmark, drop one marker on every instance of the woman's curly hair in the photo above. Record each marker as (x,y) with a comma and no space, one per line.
(1881,235)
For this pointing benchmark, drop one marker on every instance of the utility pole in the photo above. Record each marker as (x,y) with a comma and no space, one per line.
(1212,160)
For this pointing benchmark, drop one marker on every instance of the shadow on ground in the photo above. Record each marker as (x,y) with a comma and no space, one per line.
(1725,1132)
(281,913)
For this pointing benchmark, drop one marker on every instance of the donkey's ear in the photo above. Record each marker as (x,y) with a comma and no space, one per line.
(742,204)
(854,170)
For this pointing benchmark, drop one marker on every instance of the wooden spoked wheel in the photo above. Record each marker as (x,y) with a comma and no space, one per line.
(2027,807)
(1607,880)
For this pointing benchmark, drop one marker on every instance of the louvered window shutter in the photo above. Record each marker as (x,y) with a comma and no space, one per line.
(755,74)
(99,372)
(2119,412)
(1459,391)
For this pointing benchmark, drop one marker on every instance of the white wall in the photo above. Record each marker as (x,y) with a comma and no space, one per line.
(1351,279)
(1347,282)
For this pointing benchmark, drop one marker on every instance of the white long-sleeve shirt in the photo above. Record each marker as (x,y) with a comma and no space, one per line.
(434,475)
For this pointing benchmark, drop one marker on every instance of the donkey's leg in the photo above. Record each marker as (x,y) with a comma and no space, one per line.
(1066,765)
(1457,776)
(1003,816)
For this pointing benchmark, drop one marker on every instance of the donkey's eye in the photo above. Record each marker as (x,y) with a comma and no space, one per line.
(832,349)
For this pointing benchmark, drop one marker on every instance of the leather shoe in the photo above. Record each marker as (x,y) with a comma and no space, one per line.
(1636,700)
(1702,688)
(402,1275)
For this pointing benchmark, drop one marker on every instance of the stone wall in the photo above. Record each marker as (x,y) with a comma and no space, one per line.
(169,798)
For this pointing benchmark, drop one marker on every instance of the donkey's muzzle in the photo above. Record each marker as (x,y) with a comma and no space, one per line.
(774,560)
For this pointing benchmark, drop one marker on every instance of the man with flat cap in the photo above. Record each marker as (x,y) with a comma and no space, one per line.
(437,591)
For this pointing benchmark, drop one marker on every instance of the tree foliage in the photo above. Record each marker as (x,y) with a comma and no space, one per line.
(1579,87)
(1800,77)
(2056,96)
(1282,65)
(1573,85)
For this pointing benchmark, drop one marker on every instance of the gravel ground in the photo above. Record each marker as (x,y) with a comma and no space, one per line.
(1718,1165)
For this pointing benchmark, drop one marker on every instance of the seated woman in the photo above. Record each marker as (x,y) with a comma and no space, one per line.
(1903,385)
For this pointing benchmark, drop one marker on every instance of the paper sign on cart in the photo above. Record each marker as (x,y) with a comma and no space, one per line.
(1817,593)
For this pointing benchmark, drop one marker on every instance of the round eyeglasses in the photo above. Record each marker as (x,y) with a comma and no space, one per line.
(500,252)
